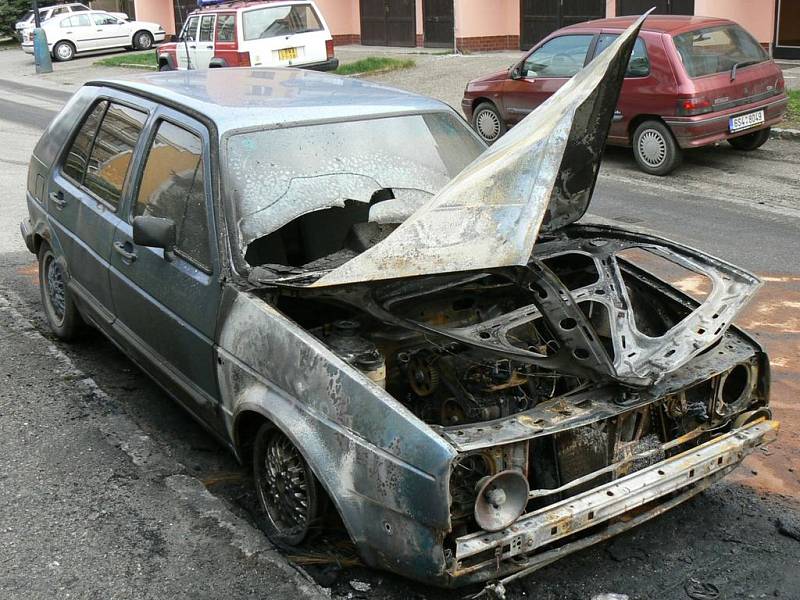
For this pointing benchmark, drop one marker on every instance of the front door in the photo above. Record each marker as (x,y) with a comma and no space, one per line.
(110,32)
(540,18)
(543,72)
(388,22)
(166,302)
(204,48)
(84,195)
(438,23)
(187,44)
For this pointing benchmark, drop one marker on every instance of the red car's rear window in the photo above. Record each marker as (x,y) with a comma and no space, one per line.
(717,49)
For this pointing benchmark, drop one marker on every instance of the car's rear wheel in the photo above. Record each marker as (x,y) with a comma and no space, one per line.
(165,67)
(59,308)
(64,51)
(488,123)
(143,40)
(655,149)
(287,489)
(751,141)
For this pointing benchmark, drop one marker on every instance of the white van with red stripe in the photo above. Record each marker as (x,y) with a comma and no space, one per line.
(242,34)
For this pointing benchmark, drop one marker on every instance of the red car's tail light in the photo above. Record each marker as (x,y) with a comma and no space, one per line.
(244,59)
(694,106)
(329,48)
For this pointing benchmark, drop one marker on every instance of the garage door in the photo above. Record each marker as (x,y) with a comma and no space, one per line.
(663,7)
(539,18)
(438,22)
(388,22)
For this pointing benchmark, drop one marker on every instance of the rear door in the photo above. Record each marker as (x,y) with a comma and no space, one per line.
(204,47)
(225,45)
(166,304)
(708,57)
(85,192)
(284,35)
(79,29)
(543,72)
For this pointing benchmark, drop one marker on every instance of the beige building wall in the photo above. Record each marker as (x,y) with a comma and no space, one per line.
(157,11)
(342,16)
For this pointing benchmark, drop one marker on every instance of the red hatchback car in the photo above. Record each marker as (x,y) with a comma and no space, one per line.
(691,81)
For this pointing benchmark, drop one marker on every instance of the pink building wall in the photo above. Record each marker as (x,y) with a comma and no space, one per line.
(482,20)
(157,11)
(478,18)
(757,17)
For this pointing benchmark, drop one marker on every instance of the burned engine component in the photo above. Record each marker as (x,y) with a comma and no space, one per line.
(345,340)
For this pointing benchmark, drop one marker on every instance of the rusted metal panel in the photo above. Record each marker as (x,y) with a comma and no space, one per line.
(613,499)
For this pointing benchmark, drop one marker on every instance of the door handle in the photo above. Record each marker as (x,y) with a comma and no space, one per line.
(126,251)
(58,199)
(209,47)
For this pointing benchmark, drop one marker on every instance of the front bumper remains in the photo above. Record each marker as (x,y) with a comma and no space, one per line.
(672,481)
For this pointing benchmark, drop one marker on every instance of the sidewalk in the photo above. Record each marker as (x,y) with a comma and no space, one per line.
(93,508)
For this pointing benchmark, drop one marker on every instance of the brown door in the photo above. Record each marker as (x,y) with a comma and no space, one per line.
(663,7)
(539,18)
(388,23)
(438,22)
(787,30)
(182,8)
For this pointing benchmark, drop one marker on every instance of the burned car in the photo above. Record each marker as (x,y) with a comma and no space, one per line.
(392,322)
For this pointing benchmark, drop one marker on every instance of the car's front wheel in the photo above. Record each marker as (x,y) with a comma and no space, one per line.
(64,51)
(488,123)
(655,149)
(143,40)
(287,489)
(59,308)
(751,141)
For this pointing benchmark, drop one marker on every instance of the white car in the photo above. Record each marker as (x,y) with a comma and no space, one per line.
(49,12)
(71,34)
(245,34)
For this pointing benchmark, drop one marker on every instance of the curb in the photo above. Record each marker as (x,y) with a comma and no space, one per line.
(785,134)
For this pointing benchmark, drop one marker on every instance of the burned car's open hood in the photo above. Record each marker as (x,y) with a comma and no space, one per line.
(538,177)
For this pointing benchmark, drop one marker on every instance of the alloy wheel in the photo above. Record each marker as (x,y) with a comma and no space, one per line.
(54,277)
(285,488)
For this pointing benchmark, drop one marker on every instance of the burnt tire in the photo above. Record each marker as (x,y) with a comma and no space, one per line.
(655,149)
(287,489)
(63,51)
(488,123)
(751,141)
(59,308)
(143,40)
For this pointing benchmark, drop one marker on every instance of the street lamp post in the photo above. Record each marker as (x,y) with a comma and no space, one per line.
(41,55)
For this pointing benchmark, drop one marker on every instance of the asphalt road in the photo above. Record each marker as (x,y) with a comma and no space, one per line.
(110,490)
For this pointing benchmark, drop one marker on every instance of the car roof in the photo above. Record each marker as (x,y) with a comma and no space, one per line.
(671,24)
(242,4)
(261,97)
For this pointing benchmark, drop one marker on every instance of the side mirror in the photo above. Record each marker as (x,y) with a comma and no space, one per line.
(516,71)
(155,232)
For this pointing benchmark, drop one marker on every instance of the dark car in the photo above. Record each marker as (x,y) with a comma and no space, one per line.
(390,322)
(691,81)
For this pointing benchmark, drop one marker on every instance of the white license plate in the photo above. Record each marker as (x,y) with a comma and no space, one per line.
(747,121)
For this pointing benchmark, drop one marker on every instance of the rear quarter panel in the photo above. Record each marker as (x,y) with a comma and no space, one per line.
(644,97)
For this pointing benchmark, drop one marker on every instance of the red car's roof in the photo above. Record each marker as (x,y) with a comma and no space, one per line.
(660,23)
